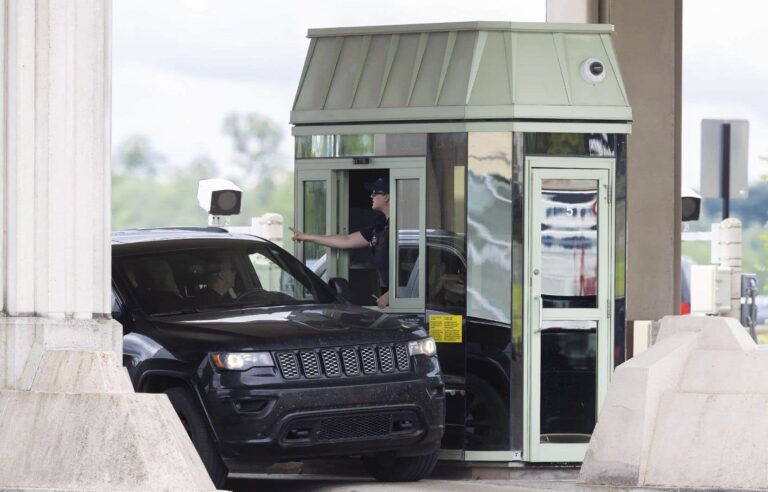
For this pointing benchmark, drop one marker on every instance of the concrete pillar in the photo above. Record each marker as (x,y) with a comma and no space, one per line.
(56,182)
(648,42)
(71,420)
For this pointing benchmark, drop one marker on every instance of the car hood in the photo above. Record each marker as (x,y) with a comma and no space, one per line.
(286,327)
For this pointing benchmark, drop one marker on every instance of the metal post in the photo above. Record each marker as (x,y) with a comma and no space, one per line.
(725,170)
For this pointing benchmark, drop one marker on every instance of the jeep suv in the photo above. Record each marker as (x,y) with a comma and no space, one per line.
(263,362)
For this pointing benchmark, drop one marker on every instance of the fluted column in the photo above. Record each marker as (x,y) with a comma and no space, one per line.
(71,420)
(55,158)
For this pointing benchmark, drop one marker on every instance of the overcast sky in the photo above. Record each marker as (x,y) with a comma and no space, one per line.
(180,66)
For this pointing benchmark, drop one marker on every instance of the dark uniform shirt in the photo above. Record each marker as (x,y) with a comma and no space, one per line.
(377,235)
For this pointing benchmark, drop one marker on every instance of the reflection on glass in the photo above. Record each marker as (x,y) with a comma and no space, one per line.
(620,233)
(446,271)
(407,271)
(489,226)
(324,146)
(569,243)
(585,144)
(315,193)
(446,221)
(489,296)
(568,381)
(353,145)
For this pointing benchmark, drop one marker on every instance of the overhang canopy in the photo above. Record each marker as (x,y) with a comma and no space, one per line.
(459,72)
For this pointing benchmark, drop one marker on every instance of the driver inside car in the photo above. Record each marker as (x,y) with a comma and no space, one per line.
(220,284)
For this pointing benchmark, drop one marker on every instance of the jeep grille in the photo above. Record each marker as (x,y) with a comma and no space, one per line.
(349,361)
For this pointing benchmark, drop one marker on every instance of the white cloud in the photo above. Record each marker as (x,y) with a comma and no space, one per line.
(179,66)
(725,76)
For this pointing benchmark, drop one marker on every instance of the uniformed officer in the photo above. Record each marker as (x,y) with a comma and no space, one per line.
(375,236)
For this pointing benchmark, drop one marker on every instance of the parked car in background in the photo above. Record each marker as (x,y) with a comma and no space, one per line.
(264,363)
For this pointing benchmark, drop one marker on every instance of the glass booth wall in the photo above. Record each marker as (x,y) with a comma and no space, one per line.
(446,265)
(384,145)
(474,256)
(490,350)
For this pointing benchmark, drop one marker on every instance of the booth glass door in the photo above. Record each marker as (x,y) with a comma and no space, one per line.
(317,214)
(331,198)
(569,305)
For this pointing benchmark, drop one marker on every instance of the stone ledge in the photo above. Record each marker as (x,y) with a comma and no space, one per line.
(119,442)
(81,427)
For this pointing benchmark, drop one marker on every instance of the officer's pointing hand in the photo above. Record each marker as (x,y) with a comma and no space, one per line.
(297,235)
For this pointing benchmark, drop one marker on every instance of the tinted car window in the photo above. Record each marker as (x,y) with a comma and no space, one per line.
(257,276)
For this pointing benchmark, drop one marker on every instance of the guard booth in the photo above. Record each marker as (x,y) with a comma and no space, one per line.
(505,148)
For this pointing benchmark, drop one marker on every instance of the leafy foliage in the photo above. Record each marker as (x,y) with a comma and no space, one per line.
(148,192)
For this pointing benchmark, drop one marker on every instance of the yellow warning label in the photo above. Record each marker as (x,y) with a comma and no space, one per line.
(445,328)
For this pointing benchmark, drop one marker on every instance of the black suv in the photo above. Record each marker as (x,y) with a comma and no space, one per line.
(263,361)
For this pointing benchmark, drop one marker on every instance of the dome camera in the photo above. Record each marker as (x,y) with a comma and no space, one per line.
(593,70)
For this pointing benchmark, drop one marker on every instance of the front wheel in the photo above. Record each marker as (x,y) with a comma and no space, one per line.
(388,468)
(192,418)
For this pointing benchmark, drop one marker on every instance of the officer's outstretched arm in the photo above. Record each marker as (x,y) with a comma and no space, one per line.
(340,241)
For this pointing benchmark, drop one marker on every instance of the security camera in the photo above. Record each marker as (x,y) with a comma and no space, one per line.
(691,204)
(593,70)
(219,197)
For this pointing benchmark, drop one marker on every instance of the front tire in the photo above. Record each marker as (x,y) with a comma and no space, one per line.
(389,468)
(192,418)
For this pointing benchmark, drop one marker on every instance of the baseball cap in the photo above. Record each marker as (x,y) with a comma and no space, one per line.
(380,184)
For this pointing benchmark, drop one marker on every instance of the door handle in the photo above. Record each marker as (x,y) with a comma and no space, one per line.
(541,314)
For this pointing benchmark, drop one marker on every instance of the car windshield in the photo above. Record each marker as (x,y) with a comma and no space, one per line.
(258,275)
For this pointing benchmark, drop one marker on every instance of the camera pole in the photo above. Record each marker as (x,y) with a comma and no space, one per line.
(725,169)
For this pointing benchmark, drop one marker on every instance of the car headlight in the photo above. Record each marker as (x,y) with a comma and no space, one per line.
(425,346)
(241,361)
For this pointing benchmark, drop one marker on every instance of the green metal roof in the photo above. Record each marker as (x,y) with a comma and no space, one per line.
(459,71)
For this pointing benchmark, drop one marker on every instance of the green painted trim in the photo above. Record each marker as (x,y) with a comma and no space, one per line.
(391,52)
(364,47)
(341,164)
(559,41)
(511,456)
(337,53)
(602,169)
(446,61)
(462,26)
(477,56)
(510,45)
(307,60)
(423,39)
(469,126)
(407,172)
(621,113)
(301,176)
(451,455)
(511,111)
(608,46)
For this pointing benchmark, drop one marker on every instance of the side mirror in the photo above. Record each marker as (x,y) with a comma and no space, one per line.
(341,287)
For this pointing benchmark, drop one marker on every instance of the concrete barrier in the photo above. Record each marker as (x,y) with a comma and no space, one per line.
(81,427)
(691,411)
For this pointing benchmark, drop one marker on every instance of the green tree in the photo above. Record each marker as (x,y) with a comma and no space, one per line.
(255,141)
(147,192)
(136,156)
